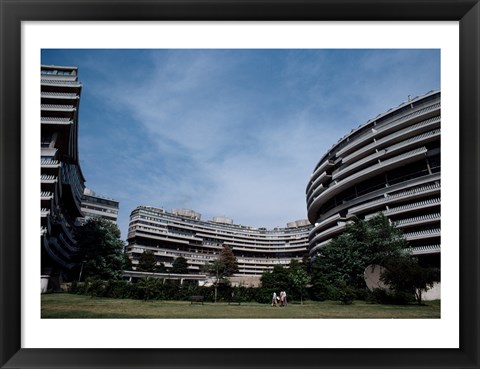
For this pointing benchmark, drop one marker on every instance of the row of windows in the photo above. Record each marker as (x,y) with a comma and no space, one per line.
(59,72)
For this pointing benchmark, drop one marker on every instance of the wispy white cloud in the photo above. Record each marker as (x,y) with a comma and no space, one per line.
(229,132)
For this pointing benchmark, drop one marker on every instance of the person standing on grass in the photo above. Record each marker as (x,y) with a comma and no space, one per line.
(283,297)
(274,299)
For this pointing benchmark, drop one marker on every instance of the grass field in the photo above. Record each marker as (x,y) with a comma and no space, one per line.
(63,305)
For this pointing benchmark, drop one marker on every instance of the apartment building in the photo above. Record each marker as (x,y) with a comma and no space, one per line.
(94,205)
(181,232)
(62,181)
(391,165)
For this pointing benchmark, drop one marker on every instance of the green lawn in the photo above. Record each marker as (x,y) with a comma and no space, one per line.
(63,305)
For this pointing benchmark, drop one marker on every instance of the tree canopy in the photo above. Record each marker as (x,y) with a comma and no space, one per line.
(224,266)
(343,260)
(147,262)
(346,256)
(228,261)
(180,266)
(293,279)
(100,249)
(406,275)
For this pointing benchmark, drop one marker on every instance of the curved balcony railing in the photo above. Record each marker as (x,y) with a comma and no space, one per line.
(404,195)
(57,107)
(386,126)
(45,178)
(414,206)
(424,219)
(49,163)
(56,120)
(53,243)
(59,82)
(336,186)
(432,122)
(59,95)
(329,233)
(321,168)
(46,195)
(429,233)
(423,138)
(422,250)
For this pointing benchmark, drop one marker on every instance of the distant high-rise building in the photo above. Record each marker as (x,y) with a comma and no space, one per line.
(182,233)
(94,205)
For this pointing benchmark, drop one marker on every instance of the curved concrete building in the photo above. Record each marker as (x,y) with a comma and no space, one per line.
(391,164)
(63,202)
(62,181)
(183,233)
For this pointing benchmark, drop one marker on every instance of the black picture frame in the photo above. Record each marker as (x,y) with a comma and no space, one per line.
(13,12)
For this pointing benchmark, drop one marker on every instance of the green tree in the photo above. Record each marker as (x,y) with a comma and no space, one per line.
(299,279)
(344,259)
(161,268)
(127,263)
(228,260)
(147,262)
(180,266)
(100,250)
(276,279)
(405,275)
(146,287)
(224,266)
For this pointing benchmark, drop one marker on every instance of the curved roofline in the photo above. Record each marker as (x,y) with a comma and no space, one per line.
(372,121)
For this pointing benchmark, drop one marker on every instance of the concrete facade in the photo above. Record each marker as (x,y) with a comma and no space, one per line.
(183,233)
(390,165)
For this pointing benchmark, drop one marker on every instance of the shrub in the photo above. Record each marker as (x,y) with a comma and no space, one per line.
(382,296)
(344,292)
(95,287)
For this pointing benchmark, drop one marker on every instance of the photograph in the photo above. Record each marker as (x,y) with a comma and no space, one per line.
(230,178)
(239,184)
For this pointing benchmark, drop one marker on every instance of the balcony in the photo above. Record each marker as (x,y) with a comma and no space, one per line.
(371,171)
(59,95)
(321,168)
(51,246)
(56,120)
(324,177)
(427,124)
(58,107)
(429,233)
(407,144)
(48,179)
(46,195)
(423,250)
(49,163)
(59,82)
(387,126)
(327,222)
(400,196)
(414,206)
(329,233)
(424,219)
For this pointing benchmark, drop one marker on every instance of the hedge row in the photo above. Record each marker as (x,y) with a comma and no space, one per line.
(158,289)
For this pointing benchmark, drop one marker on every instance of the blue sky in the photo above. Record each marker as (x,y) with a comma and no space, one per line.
(232,133)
